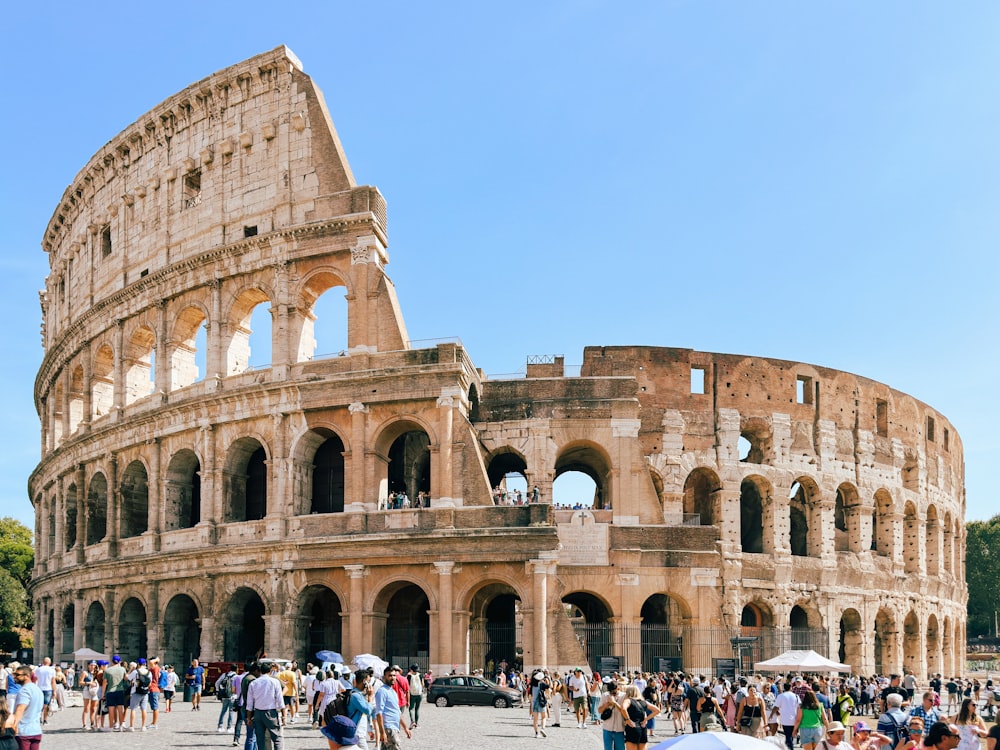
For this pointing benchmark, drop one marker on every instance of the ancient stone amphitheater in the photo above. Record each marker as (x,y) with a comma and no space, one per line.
(188,504)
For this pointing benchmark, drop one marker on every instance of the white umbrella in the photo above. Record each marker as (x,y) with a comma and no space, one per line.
(805,661)
(364,661)
(88,654)
(716,741)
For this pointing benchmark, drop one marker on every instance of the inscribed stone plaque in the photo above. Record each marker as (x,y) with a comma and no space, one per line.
(583,541)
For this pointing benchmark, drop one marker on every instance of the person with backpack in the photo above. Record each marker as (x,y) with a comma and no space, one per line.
(224,688)
(416,694)
(140,678)
(893,722)
(357,705)
(155,690)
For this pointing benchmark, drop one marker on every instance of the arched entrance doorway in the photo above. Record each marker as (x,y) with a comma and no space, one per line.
(181,631)
(132,629)
(661,634)
(589,616)
(496,629)
(849,651)
(243,626)
(407,635)
(319,625)
(93,629)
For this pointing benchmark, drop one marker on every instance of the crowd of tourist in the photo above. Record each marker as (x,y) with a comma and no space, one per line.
(375,708)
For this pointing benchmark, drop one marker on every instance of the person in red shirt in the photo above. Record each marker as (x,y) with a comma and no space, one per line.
(402,687)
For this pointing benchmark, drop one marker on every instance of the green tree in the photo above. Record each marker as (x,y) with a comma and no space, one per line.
(982,563)
(14,609)
(17,558)
(17,553)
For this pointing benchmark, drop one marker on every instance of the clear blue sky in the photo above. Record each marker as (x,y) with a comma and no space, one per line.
(812,181)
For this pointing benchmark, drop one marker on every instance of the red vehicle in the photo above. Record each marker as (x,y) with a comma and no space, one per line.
(213,671)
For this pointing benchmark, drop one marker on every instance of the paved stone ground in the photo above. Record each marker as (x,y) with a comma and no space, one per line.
(440,729)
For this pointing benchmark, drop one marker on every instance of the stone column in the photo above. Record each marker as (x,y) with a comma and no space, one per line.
(110,624)
(540,569)
(355,487)
(79,620)
(212,491)
(822,544)
(119,370)
(88,396)
(82,512)
(444,492)
(215,356)
(355,609)
(56,606)
(114,506)
(59,503)
(65,405)
(444,658)
(153,619)
(161,375)
(155,484)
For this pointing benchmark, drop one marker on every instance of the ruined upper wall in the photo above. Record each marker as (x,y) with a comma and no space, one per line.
(248,150)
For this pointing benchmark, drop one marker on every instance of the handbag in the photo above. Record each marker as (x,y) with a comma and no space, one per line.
(606,713)
(746,721)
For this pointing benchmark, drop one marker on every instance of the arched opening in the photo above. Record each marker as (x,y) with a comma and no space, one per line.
(135,500)
(756,620)
(409,467)
(841,533)
(701,490)
(911,539)
(69,528)
(474,404)
(181,631)
(590,619)
(325,318)
(755,442)
(247,481)
(319,623)
(188,348)
(798,520)
(590,460)
(851,636)
(102,383)
(495,630)
(507,475)
(93,628)
(661,634)
(407,626)
(949,545)
(250,333)
(751,517)
(183,491)
(50,632)
(132,629)
(140,365)
(798,622)
(243,626)
(97,510)
(68,623)
(328,477)
(55,400)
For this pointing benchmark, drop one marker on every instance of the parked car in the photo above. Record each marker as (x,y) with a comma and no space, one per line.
(470,690)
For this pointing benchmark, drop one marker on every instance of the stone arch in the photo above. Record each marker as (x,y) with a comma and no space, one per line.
(804,534)
(591,459)
(246,480)
(243,632)
(701,496)
(912,642)
(97,511)
(140,364)
(885,642)
(319,624)
(401,622)
(181,641)
(591,617)
(883,533)
(500,464)
(320,470)
(134,500)
(847,520)
(932,541)
(473,403)
(238,348)
(55,399)
(757,441)
(911,538)
(755,615)
(93,628)
(661,631)
(753,491)
(71,507)
(496,627)
(850,649)
(316,285)
(405,444)
(189,325)
(182,491)
(132,629)
(102,382)
(804,622)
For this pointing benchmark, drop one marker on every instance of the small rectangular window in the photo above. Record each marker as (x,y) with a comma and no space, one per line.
(106,241)
(945,438)
(930,429)
(698,380)
(250,231)
(803,389)
(143,273)
(882,418)
(191,195)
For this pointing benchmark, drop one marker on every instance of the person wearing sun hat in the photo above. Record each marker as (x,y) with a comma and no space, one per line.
(863,738)
(835,733)
(340,732)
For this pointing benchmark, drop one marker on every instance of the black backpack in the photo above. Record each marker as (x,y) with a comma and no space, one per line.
(143,681)
(337,707)
(898,731)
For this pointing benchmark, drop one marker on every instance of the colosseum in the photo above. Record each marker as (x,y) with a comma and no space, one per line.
(190,504)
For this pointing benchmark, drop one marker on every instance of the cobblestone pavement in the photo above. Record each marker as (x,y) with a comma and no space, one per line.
(440,729)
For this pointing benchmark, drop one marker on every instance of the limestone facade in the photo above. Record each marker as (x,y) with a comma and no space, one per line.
(188,504)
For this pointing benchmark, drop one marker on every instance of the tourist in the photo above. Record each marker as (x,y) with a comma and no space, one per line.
(45,676)
(810,721)
(639,712)
(27,715)
(155,691)
(114,693)
(540,687)
(942,736)
(417,692)
(90,692)
(915,729)
(864,738)
(170,688)
(971,726)
(750,715)
(612,712)
(340,732)
(194,680)
(264,704)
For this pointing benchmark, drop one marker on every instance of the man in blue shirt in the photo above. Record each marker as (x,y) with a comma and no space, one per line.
(194,678)
(27,710)
(387,712)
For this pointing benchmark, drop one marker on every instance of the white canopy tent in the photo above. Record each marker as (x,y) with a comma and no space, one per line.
(803,661)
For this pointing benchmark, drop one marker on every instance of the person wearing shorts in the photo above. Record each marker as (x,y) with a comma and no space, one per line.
(578,688)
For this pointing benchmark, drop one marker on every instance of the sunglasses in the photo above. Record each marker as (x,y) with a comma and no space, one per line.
(916,730)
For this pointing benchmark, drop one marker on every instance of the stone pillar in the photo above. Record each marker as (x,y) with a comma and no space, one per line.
(212,492)
(155,487)
(540,568)
(774,535)
(79,620)
(88,396)
(282,309)
(355,488)
(442,476)
(153,619)
(65,406)
(161,375)
(114,506)
(207,648)
(119,370)
(56,605)
(822,543)
(110,624)
(355,609)
(215,356)
(59,503)
(442,661)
